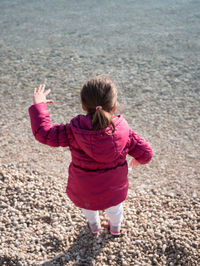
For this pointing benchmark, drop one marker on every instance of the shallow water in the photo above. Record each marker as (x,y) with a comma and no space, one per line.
(152,27)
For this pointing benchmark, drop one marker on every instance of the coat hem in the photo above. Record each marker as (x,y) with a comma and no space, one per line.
(97,208)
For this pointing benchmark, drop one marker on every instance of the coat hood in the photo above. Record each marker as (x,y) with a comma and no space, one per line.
(98,145)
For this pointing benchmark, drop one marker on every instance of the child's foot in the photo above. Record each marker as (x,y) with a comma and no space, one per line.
(95,228)
(114,230)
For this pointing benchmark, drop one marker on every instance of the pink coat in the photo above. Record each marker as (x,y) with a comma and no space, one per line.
(98,173)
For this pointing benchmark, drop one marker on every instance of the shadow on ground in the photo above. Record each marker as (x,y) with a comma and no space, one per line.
(84,250)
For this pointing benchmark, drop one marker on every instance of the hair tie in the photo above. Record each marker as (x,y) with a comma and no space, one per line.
(98,107)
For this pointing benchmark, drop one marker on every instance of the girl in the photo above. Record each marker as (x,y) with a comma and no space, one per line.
(99,143)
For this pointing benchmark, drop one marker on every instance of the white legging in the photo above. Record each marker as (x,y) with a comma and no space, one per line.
(114,213)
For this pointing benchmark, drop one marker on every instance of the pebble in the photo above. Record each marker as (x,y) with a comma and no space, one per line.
(164,248)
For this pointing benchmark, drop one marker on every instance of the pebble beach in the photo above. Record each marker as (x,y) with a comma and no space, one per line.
(151,49)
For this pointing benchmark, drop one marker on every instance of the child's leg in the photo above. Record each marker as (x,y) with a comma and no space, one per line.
(115,214)
(91,216)
(93,219)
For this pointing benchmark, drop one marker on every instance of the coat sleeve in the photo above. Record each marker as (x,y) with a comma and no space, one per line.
(44,131)
(139,148)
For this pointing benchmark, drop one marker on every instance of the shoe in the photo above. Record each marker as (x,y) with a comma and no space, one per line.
(95,228)
(114,230)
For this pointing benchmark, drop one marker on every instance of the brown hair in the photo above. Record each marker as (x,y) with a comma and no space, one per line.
(98,92)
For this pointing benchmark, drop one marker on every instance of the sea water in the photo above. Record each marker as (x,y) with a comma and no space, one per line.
(150,27)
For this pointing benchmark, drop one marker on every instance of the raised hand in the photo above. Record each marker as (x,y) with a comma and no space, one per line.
(39,95)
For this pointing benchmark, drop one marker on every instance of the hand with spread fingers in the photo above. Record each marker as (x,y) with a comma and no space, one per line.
(39,95)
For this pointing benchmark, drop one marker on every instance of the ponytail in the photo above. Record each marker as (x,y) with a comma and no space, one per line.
(102,119)
(99,97)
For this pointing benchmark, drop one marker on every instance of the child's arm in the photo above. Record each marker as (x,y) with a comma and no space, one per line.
(139,149)
(42,128)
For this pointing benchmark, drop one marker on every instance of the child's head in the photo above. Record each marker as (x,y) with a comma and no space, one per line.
(99,99)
